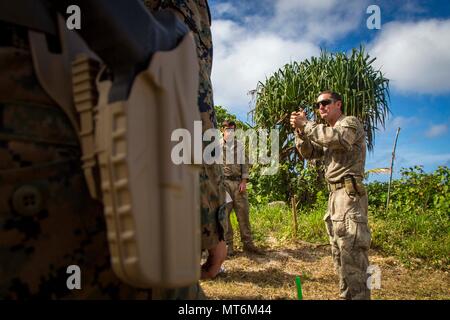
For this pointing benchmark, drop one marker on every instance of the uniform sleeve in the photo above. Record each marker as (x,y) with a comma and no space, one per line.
(342,136)
(307,148)
(243,160)
(244,168)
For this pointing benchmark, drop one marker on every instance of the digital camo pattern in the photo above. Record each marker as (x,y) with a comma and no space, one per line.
(47,219)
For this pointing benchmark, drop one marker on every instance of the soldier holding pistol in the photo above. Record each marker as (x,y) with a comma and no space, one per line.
(342,145)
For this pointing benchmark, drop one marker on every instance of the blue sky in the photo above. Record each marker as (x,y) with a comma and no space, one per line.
(252,39)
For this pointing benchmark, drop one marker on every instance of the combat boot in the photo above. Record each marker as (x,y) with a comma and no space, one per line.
(251,248)
(230,250)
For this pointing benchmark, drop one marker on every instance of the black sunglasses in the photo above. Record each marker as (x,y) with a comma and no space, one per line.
(324,102)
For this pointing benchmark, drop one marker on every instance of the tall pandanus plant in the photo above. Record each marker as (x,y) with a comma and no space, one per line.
(364,90)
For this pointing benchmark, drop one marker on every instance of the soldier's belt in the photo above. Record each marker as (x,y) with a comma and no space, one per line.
(335,186)
(233,178)
(352,184)
(38,171)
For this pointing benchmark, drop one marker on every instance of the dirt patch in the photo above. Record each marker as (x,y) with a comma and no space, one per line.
(272,276)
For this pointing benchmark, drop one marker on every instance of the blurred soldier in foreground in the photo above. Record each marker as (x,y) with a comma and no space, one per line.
(235,167)
(343,147)
(196,15)
(48,219)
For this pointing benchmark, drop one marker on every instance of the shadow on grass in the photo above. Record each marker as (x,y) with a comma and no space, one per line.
(271,277)
(304,254)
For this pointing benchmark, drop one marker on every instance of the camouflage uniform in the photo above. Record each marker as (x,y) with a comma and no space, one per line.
(343,148)
(48,221)
(236,169)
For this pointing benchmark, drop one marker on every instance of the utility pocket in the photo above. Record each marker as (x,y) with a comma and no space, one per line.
(358,230)
(328,225)
(338,223)
(345,209)
(363,236)
(340,228)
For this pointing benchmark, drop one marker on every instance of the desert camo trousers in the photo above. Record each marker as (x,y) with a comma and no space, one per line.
(349,234)
(241,209)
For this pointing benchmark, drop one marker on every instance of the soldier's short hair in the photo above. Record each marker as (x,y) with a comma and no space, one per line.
(334,95)
(228,123)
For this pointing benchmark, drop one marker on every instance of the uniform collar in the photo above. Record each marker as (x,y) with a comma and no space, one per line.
(223,143)
(340,119)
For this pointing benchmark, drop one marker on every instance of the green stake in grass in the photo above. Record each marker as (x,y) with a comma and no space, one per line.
(299,288)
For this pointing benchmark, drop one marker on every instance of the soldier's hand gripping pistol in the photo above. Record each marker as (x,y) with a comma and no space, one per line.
(126,81)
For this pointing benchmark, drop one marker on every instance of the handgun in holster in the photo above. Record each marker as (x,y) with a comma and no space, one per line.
(126,82)
(354,186)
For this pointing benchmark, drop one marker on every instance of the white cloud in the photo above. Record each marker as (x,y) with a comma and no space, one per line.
(263,41)
(225,8)
(412,7)
(400,122)
(325,20)
(415,56)
(407,158)
(436,130)
(242,58)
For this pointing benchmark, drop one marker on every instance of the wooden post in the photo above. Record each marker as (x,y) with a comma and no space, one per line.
(392,168)
(294,214)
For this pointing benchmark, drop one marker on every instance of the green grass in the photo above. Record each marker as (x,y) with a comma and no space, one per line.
(421,237)
(277,223)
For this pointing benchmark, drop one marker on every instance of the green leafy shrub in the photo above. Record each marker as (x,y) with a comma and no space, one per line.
(417,224)
(416,228)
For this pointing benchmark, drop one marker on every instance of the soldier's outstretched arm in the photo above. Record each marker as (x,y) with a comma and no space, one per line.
(307,148)
(339,137)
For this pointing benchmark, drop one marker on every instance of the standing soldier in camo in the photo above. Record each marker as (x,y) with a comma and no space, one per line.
(236,168)
(342,145)
(48,220)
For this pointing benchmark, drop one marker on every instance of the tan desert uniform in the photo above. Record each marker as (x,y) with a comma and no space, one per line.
(234,173)
(343,149)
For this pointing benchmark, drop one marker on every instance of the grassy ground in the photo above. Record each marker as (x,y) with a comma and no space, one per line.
(272,276)
(414,265)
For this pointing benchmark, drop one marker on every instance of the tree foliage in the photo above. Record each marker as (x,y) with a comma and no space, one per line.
(223,114)
(364,90)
